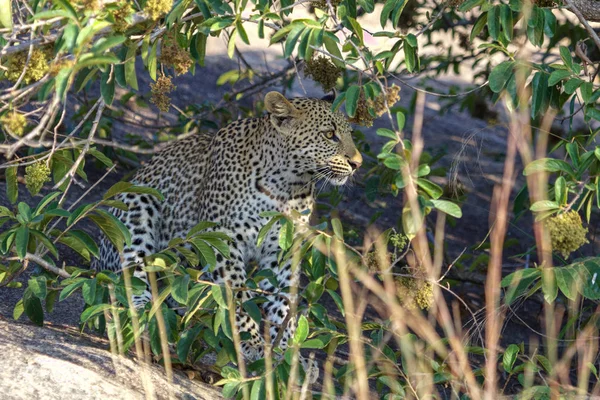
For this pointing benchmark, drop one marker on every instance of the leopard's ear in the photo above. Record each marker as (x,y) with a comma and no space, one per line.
(279,106)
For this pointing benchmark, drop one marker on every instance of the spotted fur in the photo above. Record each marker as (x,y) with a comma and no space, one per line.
(251,166)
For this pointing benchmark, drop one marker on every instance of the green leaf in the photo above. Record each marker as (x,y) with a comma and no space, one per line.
(338,301)
(478,26)
(506,18)
(386,11)
(494,22)
(45,241)
(219,294)
(65,5)
(565,54)
(6,15)
(572,85)
(518,282)
(12,188)
(39,286)
(231,44)
(586,90)
(21,242)
(33,308)
(258,390)
(130,75)
(410,57)
(301,330)
(180,288)
(107,86)
(500,76)
(387,133)
(253,311)
(566,280)
(352,95)
(357,29)
(394,161)
(70,289)
(44,202)
(200,226)
(286,234)
(111,230)
(18,310)
(98,155)
(128,187)
(448,207)
(338,229)
(560,190)
(541,95)
(557,76)
(185,342)
(81,242)
(242,32)
(547,165)
(432,189)
(93,311)
(544,205)
(206,251)
(509,357)
(89,291)
(401,120)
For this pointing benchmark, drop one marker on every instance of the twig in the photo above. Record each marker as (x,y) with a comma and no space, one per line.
(84,151)
(47,266)
(584,22)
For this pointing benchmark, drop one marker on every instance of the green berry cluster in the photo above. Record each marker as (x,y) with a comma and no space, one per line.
(323,71)
(36,68)
(567,233)
(398,240)
(160,92)
(322,4)
(35,176)
(14,122)
(157,8)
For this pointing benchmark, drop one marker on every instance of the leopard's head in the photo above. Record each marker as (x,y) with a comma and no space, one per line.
(319,140)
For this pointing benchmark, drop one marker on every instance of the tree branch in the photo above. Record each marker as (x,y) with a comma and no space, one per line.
(576,6)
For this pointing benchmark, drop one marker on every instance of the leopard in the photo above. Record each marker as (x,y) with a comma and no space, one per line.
(231,178)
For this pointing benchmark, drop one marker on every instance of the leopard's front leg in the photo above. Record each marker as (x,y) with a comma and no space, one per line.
(232,272)
(277,306)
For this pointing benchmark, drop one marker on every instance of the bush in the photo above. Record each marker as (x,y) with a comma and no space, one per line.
(412,348)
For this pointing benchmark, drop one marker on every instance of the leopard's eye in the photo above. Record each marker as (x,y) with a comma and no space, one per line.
(330,135)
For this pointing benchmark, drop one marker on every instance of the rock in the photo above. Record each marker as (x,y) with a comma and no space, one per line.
(56,363)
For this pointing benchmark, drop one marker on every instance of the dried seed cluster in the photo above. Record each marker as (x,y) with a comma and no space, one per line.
(157,8)
(392,95)
(14,122)
(362,116)
(160,92)
(172,54)
(323,71)
(35,176)
(36,68)
(57,65)
(415,291)
(566,232)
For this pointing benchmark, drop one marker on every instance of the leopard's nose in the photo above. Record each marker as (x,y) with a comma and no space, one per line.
(355,161)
